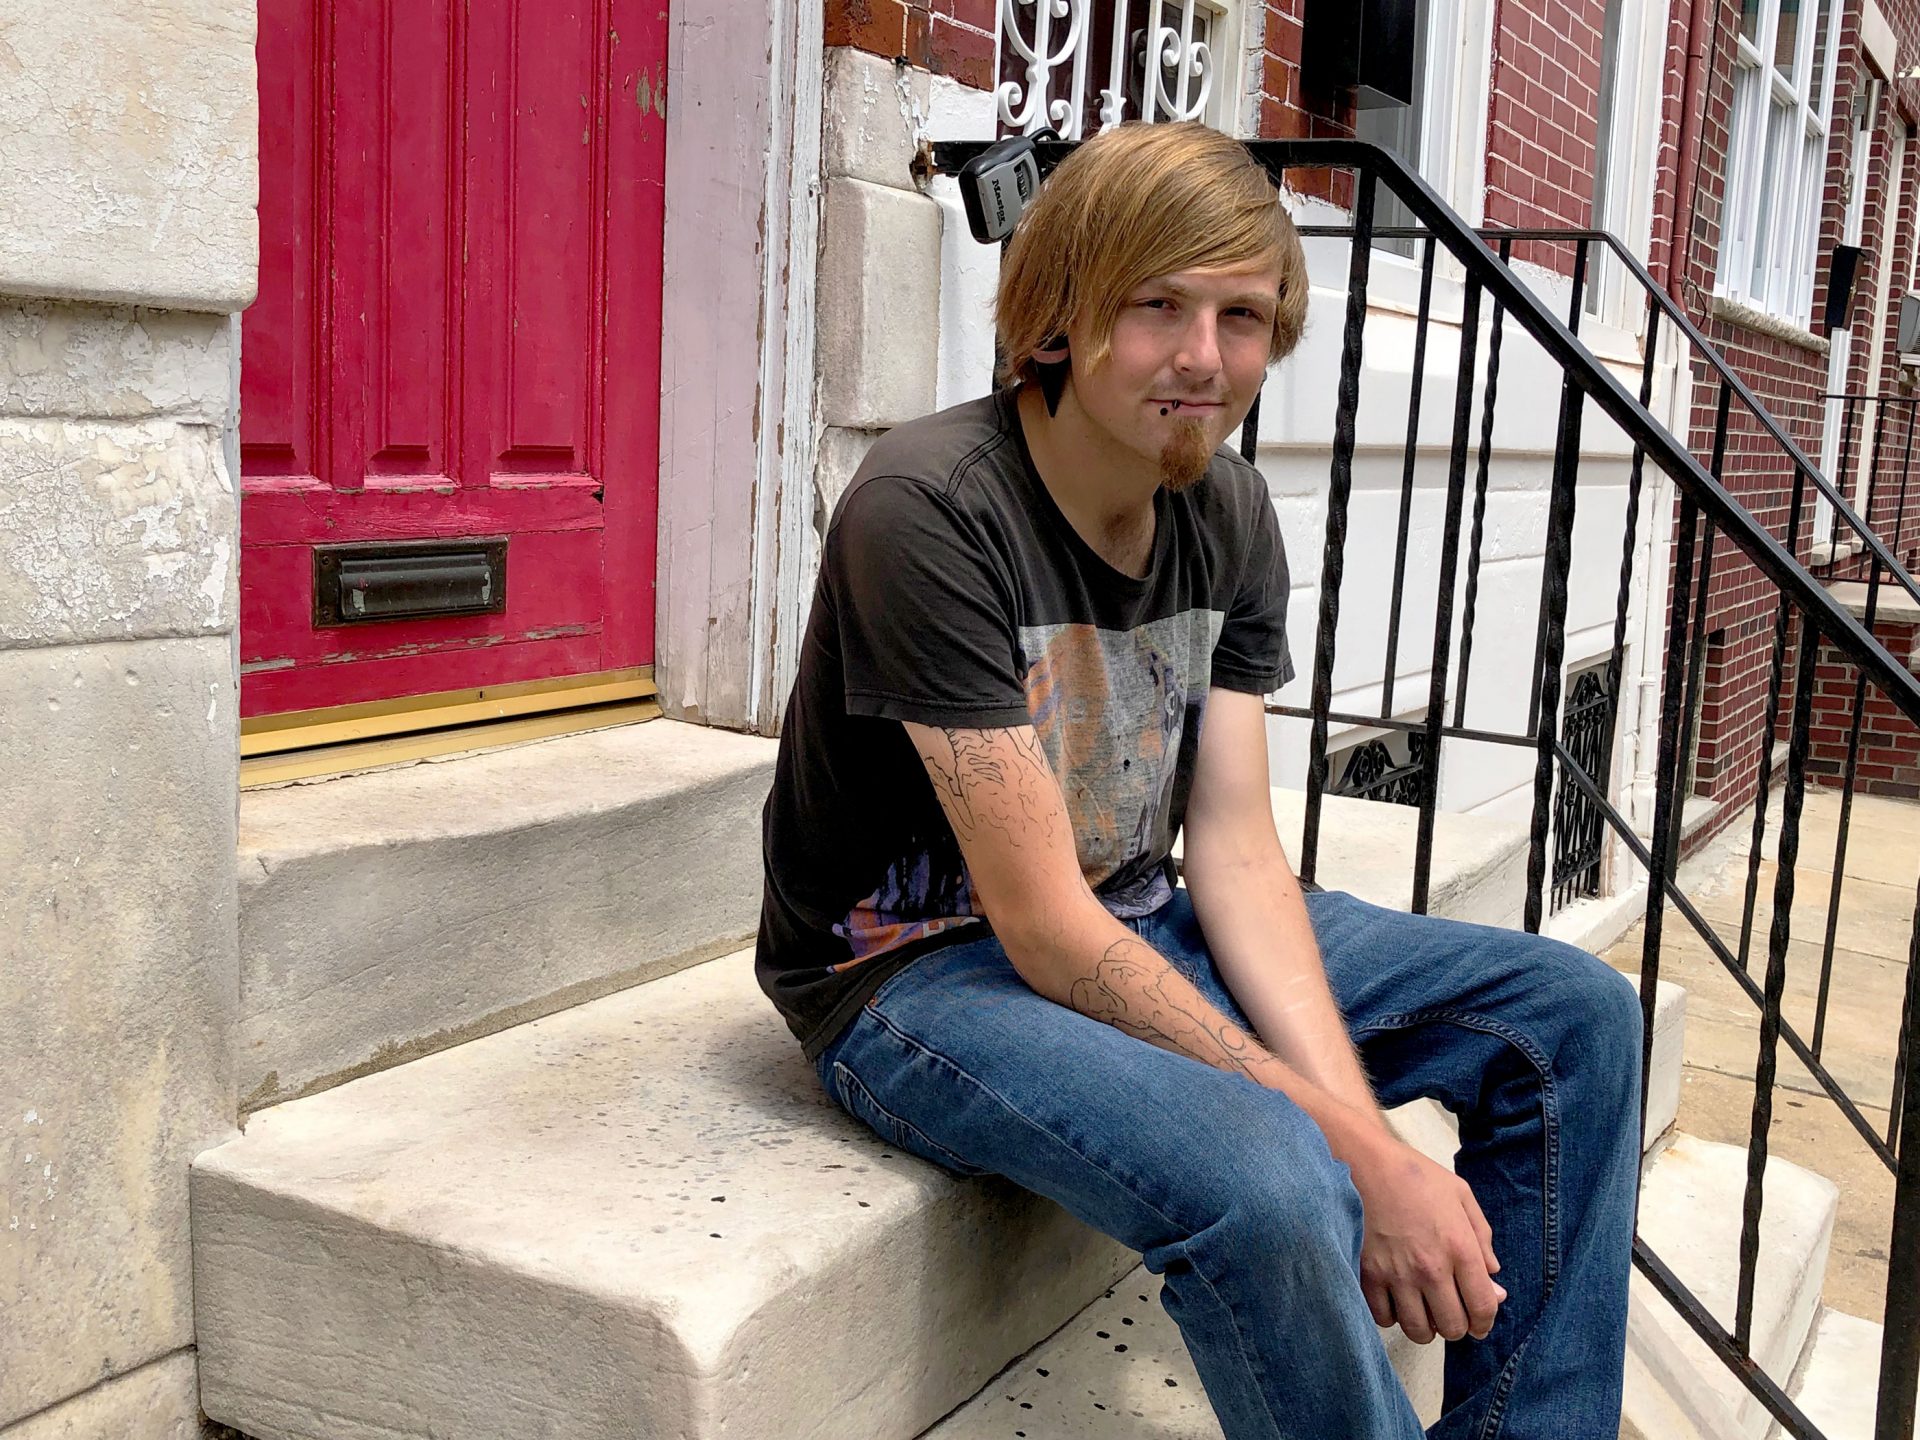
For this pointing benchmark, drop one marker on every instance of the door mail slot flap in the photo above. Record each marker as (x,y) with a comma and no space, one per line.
(356,584)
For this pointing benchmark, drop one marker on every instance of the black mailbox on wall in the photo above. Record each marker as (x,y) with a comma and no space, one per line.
(1362,45)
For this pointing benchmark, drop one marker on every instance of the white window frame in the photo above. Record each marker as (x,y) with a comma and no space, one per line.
(1626,192)
(1767,255)
(1840,351)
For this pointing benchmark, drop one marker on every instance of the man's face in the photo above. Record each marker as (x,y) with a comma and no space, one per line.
(1189,355)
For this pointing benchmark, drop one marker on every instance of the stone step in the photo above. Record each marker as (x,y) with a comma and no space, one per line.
(1367,849)
(1839,1384)
(1669,1045)
(1120,1368)
(637,1216)
(1691,1200)
(387,915)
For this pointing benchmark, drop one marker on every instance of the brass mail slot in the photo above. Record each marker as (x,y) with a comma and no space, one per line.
(408,580)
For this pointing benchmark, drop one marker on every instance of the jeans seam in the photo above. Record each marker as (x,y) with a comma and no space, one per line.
(1240,1343)
(1550,1174)
(955,1163)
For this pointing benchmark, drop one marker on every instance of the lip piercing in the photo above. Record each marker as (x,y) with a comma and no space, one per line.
(1175,405)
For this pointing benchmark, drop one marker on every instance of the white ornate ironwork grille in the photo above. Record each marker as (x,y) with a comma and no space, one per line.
(1082,66)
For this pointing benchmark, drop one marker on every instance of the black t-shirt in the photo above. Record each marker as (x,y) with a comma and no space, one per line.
(954,593)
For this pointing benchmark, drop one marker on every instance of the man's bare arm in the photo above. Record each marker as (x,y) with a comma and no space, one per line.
(1426,1258)
(1000,795)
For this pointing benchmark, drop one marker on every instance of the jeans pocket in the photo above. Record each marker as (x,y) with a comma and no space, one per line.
(858,1101)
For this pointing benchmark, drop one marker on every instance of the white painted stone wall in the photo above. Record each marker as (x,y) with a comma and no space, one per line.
(876,355)
(130,137)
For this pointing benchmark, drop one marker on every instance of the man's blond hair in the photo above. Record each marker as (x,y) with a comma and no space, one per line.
(1135,202)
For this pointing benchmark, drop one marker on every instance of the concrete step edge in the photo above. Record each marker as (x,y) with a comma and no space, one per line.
(1690,1214)
(390,915)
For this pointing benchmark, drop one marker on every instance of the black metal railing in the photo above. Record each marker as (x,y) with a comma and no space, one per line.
(1811,629)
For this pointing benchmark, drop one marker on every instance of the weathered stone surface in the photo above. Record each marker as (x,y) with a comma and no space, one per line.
(114,531)
(840,454)
(131,171)
(1690,1214)
(117,997)
(1079,1383)
(385,915)
(1669,1041)
(879,305)
(160,1401)
(870,111)
(640,1216)
(114,362)
(1840,1386)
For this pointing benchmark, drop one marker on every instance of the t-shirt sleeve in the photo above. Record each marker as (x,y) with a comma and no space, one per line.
(1252,653)
(923,614)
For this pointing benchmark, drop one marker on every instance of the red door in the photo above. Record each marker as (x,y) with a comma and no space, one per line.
(457,341)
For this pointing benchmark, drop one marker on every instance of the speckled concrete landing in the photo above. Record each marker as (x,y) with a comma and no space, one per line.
(1119,1370)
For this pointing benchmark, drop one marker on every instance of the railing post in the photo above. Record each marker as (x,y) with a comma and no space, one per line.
(1779,935)
(1900,1344)
(1666,785)
(1552,638)
(1443,595)
(1406,483)
(1852,772)
(1775,682)
(1475,544)
(1333,560)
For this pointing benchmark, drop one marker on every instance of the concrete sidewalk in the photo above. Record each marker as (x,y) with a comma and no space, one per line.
(1870,959)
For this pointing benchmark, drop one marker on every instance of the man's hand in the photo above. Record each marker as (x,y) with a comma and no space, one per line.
(1426,1258)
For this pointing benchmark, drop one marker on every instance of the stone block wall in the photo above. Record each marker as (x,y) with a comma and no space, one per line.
(127,242)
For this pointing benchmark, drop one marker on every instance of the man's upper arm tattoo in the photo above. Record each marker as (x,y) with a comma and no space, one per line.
(996,779)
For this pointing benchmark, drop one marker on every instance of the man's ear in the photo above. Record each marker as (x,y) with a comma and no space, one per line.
(1052,364)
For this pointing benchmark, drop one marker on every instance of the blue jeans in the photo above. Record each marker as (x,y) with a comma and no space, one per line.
(1230,1193)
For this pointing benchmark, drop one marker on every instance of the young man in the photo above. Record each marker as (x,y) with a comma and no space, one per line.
(1044,624)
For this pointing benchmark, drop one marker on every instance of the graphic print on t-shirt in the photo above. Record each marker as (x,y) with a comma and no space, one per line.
(1110,706)
(919,896)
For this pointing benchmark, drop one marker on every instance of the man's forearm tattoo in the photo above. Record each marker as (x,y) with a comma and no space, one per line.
(1128,990)
(996,778)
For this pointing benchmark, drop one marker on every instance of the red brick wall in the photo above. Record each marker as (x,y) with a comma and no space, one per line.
(948,37)
(1889,759)
(1545,105)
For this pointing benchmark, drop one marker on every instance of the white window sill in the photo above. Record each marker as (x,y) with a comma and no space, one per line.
(1725,307)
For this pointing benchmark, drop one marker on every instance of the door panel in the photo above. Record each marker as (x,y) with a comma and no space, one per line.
(442,348)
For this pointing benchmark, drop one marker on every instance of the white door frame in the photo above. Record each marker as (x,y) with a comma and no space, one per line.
(744,80)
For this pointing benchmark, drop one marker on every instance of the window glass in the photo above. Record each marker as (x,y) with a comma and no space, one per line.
(1609,83)
(1786,38)
(1783,124)
(1777,155)
(1398,128)
(1822,39)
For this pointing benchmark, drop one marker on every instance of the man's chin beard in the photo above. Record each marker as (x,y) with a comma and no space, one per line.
(1185,456)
